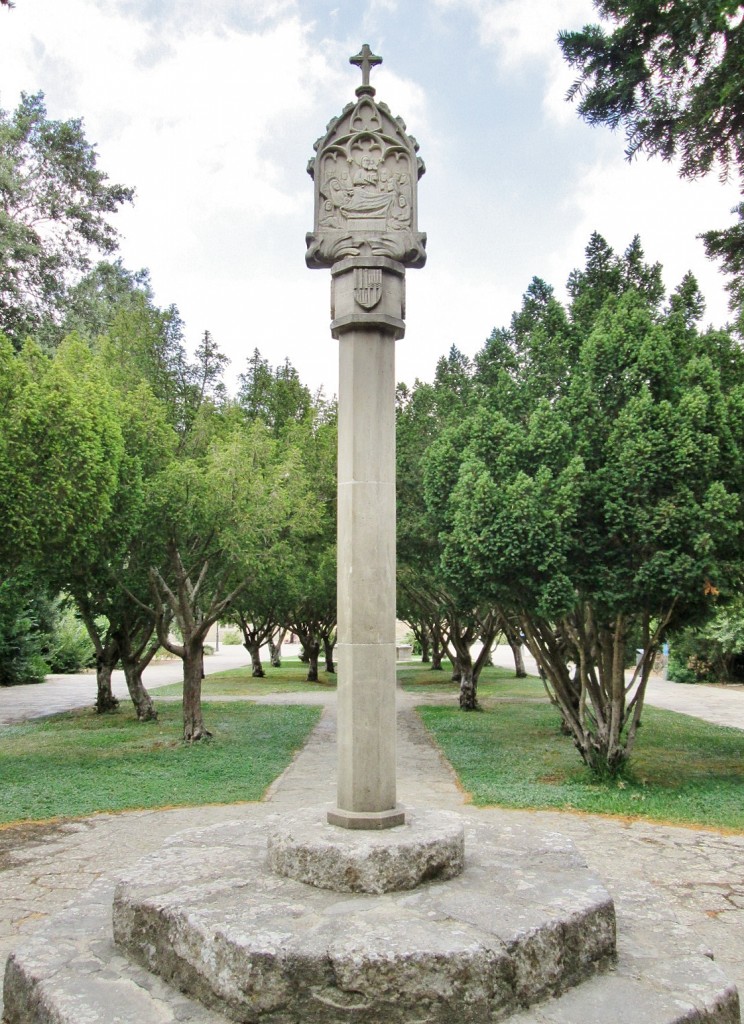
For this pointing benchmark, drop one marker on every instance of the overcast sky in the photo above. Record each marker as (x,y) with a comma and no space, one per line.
(210,109)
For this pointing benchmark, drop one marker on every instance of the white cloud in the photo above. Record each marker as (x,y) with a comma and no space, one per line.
(69,46)
(446,307)
(210,109)
(522,30)
(405,98)
(180,17)
(380,6)
(620,200)
(523,34)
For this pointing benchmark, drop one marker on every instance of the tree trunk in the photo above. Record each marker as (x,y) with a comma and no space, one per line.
(425,647)
(573,696)
(459,644)
(106,702)
(328,646)
(107,655)
(468,683)
(436,652)
(255,652)
(275,648)
(596,703)
(312,650)
(516,648)
(182,602)
(137,648)
(193,673)
(514,638)
(141,699)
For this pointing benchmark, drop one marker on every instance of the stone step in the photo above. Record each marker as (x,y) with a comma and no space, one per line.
(688,988)
(70,972)
(661,974)
(524,919)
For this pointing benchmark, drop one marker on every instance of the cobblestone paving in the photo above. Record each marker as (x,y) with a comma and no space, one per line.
(700,873)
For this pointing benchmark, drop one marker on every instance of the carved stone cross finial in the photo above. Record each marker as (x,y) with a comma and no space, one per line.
(365,60)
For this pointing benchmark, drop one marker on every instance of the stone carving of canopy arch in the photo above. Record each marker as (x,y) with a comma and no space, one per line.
(366,173)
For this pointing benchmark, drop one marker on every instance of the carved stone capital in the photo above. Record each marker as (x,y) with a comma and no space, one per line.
(368,292)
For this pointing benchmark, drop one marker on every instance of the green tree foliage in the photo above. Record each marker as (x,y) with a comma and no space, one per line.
(169,406)
(138,376)
(312,612)
(60,448)
(417,424)
(445,609)
(294,584)
(68,647)
(711,651)
(727,245)
(129,481)
(91,305)
(295,587)
(138,351)
(21,632)
(143,344)
(201,388)
(55,209)
(604,509)
(39,634)
(61,455)
(116,566)
(672,76)
(219,512)
(310,585)
(275,395)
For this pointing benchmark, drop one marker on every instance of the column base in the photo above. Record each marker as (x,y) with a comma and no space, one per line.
(367,819)
(431,845)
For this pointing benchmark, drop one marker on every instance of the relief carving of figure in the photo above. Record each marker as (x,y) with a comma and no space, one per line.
(370,192)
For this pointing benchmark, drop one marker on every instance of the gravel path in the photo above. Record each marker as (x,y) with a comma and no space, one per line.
(78,690)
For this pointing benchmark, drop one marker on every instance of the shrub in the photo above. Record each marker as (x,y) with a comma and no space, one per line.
(69,646)
(22,625)
(711,652)
(230,635)
(681,669)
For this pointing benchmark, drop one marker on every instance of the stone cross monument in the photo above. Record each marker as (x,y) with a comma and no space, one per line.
(366,172)
(276,922)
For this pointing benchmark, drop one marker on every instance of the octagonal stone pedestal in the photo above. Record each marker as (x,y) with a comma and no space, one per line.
(524,920)
(232,941)
(304,846)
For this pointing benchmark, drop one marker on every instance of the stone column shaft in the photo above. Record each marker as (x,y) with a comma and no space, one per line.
(366,546)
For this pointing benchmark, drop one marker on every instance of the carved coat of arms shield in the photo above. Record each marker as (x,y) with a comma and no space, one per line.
(367,286)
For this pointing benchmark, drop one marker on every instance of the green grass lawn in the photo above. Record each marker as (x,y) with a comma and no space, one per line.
(77,763)
(238,682)
(499,683)
(683,770)
(512,754)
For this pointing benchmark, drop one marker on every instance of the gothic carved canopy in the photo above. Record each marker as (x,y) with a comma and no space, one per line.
(366,171)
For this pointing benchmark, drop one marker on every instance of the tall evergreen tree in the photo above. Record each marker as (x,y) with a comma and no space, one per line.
(672,77)
(609,510)
(55,214)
